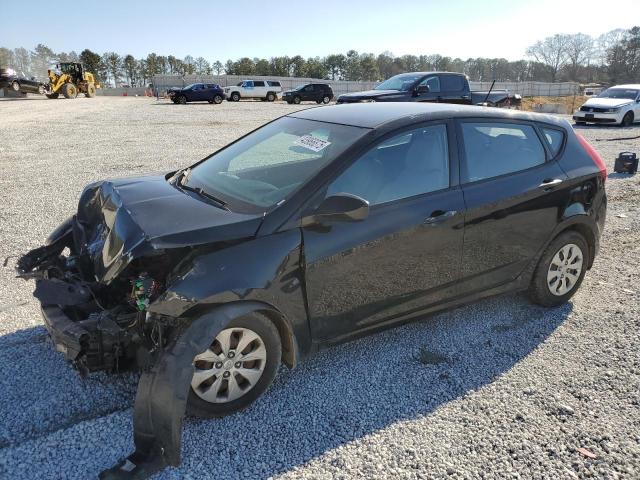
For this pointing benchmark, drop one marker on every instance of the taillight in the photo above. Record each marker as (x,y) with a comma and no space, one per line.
(594,156)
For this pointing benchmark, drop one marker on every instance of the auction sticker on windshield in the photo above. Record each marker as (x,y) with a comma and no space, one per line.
(312,143)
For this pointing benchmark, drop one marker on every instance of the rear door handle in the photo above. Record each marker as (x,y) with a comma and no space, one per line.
(548,183)
(439,216)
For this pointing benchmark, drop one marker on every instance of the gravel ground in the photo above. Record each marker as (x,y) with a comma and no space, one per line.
(499,389)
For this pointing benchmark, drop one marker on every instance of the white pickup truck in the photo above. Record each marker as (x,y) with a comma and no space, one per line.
(263,89)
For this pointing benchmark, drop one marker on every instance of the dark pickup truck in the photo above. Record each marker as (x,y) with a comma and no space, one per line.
(444,87)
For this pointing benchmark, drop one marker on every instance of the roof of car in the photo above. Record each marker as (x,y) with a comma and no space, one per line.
(376,114)
(629,85)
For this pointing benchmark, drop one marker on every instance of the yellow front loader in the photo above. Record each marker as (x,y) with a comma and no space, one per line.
(69,79)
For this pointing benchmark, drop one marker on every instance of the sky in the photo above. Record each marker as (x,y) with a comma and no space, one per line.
(221,30)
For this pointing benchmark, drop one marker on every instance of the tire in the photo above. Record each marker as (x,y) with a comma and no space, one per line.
(15,86)
(69,90)
(627,120)
(271,97)
(40,90)
(235,97)
(569,247)
(217,99)
(297,100)
(91,90)
(326,99)
(182,100)
(267,337)
(53,96)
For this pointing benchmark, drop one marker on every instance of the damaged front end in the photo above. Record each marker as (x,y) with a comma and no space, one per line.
(94,293)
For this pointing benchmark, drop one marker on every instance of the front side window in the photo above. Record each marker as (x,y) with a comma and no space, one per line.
(402,82)
(433,83)
(411,163)
(266,166)
(494,149)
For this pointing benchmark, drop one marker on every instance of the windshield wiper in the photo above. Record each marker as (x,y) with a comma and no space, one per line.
(200,191)
(181,182)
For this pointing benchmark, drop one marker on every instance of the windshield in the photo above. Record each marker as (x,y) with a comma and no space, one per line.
(268,165)
(629,93)
(402,82)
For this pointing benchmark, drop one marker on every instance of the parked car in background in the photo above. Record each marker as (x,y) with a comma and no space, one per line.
(619,105)
(19,82)
(310,92)
(197,92)
(443,87)
(314,229)
(263,89)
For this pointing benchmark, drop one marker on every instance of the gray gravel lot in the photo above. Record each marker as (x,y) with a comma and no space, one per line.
(519,391)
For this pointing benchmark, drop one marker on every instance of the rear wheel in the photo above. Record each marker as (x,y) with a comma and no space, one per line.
(69,90)
(326,99)
(91,90)
(627,120)
(217,99)
(560,270)
(15,86)
(271,97)
(239,365)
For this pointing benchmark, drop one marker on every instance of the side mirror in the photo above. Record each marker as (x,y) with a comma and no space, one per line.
(342,207)
(422,89)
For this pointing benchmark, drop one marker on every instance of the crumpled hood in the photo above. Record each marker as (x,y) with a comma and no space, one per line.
(607,102)
(370,95)
(119,220)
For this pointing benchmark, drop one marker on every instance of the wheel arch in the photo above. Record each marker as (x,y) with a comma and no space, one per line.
(583,224)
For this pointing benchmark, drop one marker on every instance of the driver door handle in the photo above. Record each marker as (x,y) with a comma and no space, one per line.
(549,184)
(439,216)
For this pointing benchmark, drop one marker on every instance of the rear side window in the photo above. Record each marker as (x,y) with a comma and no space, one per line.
(451,83)
(494,149)
(554,139)
(273,84)
(258,83)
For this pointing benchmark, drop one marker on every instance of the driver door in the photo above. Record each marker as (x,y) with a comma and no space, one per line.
(406,255)
(433,95)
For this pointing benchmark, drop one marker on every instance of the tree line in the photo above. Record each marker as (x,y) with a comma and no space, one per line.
(613,57)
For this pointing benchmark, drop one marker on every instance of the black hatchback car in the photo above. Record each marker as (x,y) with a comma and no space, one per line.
(322,225)
(197,92)
(311,92)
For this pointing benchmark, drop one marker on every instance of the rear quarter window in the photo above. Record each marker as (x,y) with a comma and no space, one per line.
(273,84)
(493,149)
(554,138)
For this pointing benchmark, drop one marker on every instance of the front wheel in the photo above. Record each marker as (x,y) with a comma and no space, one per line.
(182,100)
(235,96)
(326,99)
(297,100)
(69,90)
(239,365)
(627,120)
(15,86)
(560,270)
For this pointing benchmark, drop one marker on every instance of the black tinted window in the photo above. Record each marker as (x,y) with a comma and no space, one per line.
(411,163)
(451,83)
(433,83)
(493,149)
(554,138)
(273,84)
(258,83)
